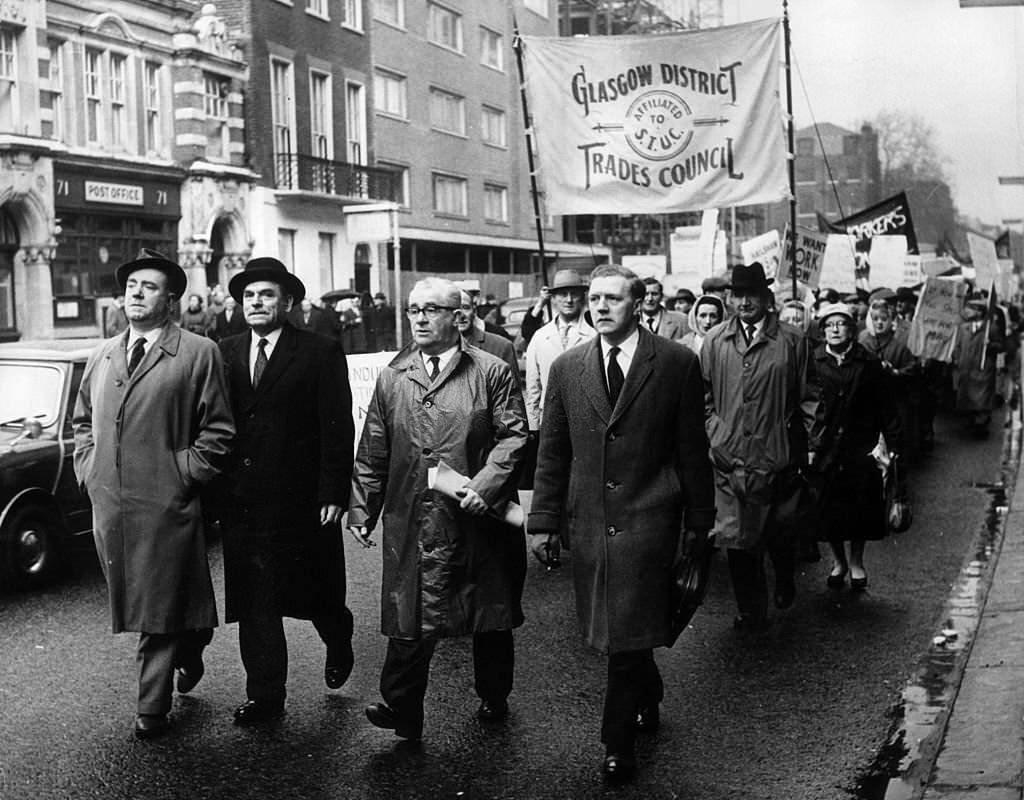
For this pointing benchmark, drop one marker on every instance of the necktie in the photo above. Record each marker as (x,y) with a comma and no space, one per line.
(564,330)
(138,351)
(615,377)
(650,323)
(261,363)
(751,331)
(435,367)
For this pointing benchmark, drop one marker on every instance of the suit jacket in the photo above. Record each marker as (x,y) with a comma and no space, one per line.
(623,482)
(320,321)
(291,455)
(544,348)
(672,325)
(496,346)
(223,327)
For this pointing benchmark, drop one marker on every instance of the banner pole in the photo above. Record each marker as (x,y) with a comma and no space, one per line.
(792,153)
(517,45)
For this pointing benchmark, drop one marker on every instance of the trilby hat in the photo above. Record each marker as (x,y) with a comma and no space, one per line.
(750,278)
(567,279)
(151,259)
(267,268)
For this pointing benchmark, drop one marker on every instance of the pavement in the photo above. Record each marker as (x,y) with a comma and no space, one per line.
(981,756)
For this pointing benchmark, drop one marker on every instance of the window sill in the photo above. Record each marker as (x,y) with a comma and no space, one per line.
(451,215)
(456,134)
(391,115)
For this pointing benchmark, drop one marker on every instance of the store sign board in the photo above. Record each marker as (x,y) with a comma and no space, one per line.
(122,194)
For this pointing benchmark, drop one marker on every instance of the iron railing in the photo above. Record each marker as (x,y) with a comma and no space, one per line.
(306,173)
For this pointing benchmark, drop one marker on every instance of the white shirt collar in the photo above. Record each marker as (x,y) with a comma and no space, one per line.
(443,359)
(149,337)
(254,346)
(626,349)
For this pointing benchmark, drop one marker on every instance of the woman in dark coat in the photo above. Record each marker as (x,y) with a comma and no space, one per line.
(856,407)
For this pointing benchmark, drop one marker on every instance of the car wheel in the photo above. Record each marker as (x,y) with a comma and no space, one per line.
(30,547)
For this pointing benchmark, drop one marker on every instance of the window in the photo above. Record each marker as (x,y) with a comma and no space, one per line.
(851,145)
(282,113)
(320,115)
(447,112)
(9,111)
(805,147)
(58,111)
(118,98)
(215,105)
(389,94)
(390,11)
(317,7)
(492,51)
(495,203)
(537,7)
(151,100)
(8,55)
(492,127)
(326,261)
(444,27)
(352,14)
(355,122)
(286,247)
(450,195)
(93,96)
(401,181)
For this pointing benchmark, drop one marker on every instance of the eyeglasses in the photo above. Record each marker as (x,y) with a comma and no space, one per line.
(836,326)
(432,311)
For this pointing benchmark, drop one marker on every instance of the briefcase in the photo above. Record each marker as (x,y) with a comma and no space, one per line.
(690,572)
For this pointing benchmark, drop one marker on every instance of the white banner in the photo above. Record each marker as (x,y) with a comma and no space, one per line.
(810,257)
(886,261)
(839,264)
(913,271)
(363,369)
(655,124)
(937,319)
(1007,283)
(766,249)
(983,255)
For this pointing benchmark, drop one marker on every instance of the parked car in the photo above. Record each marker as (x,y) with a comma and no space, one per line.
(513,311)
(41,506)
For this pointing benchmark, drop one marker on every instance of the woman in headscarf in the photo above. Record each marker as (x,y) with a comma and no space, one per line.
(856,406)
(706,313)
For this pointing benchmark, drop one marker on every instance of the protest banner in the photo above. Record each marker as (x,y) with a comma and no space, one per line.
(934,328)
(885,261)
(983,257)
(766,249)
(937,266)
(363,369)
(913,271)
(1007,283)
(810,256)
(839,264)
(648,266)
(687,265)
(890,217)
(655,124)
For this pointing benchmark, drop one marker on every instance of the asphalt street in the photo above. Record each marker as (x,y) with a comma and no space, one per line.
(797,713)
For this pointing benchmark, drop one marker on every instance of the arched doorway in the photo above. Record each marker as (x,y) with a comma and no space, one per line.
(9,243)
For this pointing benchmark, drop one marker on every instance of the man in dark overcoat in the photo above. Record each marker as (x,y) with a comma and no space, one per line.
(451,568)
(623,471)
(152,426)
(286,488)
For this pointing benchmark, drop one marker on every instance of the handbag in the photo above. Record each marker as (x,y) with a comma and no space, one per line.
(690,571)
(899,514)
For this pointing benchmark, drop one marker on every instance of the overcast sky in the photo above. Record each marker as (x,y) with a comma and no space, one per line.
(960,69)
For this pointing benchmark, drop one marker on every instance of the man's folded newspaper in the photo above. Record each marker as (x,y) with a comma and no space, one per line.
(447,481)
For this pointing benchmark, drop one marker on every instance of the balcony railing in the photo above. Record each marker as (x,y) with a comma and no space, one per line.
(304,173)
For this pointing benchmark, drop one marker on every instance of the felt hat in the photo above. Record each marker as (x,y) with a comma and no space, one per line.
(716,283)
(882,293)
(151,259)
(834,309)
(567,279)
(267,268)
(749,278)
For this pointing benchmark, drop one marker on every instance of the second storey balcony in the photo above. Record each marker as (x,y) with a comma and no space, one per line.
(296,172)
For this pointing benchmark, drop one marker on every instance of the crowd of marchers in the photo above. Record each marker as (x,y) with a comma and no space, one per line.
(640,429)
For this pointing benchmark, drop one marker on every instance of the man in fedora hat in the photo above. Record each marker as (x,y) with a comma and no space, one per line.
(287,486)
(761,405)
(567,329)
(152,426)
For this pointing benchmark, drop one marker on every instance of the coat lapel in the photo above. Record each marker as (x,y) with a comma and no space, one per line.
(118,355)
(592,379)
(280,359)
(166,344)
(640,370)
(237,359)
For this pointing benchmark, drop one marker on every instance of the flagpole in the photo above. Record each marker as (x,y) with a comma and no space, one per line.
(792,152)
(528,129)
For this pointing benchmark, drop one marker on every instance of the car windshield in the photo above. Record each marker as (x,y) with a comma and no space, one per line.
(30,390)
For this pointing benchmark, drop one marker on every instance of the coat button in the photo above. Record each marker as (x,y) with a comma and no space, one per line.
(427,547)
(611,485)
(119,382)
(611,530)
(612,437)
(247,462)
(427,451)
(428,403)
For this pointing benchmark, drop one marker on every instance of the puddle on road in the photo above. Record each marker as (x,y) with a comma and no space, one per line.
(901,769)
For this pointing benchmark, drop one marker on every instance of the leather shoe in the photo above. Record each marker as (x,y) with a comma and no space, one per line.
(619,767)
(339,666)
(149,726)
(381,715)
(253,712)
(785,591)
(492,710)
(859,584)
(648,718)
(836,580)
(189,676)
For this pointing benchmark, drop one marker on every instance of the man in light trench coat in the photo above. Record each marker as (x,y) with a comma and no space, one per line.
(450,567)
(152,426)
(623,472)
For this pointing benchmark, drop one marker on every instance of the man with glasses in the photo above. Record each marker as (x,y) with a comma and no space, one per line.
(451,566)
(761,404)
